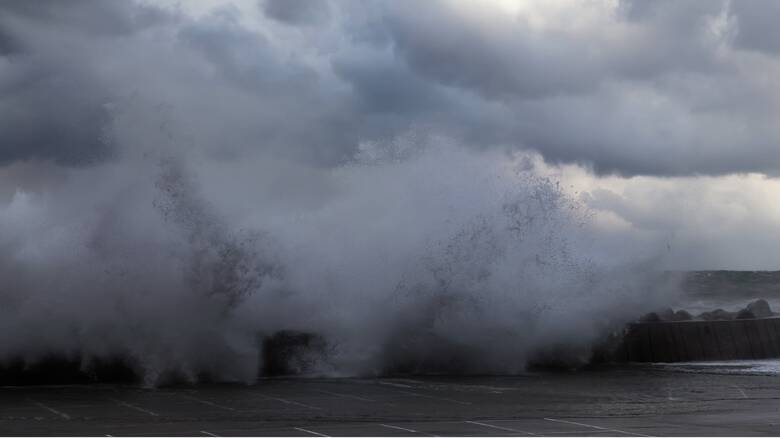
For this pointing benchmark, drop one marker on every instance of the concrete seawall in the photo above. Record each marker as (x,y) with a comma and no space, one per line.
(700,340)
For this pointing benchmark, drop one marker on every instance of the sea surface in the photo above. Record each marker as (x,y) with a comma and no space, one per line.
(729,290)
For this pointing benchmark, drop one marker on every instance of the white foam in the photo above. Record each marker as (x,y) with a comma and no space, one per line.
(745,367)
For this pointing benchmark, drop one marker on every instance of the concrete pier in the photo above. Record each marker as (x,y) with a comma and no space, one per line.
(681,341)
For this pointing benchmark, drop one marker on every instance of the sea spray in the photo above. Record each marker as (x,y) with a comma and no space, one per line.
(440,259)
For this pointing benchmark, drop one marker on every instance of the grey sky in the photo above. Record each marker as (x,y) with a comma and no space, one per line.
(662,88)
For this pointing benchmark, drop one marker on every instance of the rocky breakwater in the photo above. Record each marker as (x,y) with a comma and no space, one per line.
(752,332)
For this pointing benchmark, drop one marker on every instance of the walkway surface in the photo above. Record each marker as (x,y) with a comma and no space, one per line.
(643,401)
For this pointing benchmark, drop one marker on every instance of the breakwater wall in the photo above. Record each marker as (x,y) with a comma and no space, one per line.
(700,340)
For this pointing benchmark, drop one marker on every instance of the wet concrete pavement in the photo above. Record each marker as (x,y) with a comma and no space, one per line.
(630,401)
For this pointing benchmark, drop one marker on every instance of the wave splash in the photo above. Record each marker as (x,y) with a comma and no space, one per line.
(436,260)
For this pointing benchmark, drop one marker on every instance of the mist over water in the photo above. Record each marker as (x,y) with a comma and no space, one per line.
(408,257)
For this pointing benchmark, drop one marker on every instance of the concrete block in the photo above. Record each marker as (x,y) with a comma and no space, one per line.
(633,343)
(773,327)
(702,340)
(679,342)
(645,343)
(707,340)
(662,349)
(754,339)
(741,340)
(721,332)
(763,334)
(673,344)
(690,334)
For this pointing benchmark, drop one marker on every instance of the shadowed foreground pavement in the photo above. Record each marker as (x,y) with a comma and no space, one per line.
(617,402)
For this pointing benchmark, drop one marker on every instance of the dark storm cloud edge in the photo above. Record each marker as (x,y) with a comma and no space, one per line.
(387,68)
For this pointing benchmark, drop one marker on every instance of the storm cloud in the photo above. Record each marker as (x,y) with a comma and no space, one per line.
(629,89)
(636,88)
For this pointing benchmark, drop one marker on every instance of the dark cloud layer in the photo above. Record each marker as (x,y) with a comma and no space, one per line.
(661,88)
(53,101)
(297,11)
(757,26)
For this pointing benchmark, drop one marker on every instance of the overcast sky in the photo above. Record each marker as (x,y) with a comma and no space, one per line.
(661,116)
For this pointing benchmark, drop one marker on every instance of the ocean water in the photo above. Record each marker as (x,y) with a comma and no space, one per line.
(729,290)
